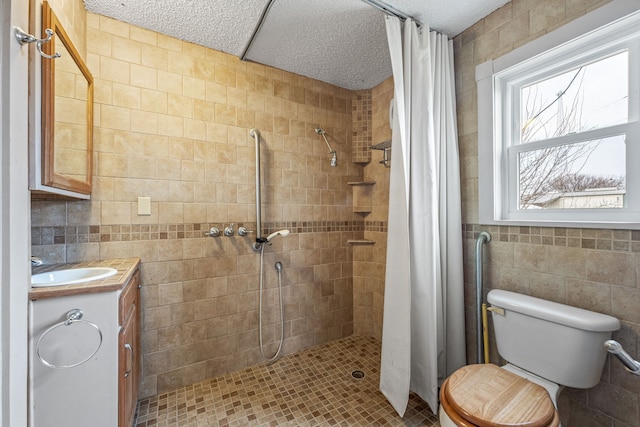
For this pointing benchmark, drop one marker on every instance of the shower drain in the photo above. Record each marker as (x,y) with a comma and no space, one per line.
(357,375)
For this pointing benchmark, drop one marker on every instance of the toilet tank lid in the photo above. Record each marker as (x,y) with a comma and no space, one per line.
(553,312)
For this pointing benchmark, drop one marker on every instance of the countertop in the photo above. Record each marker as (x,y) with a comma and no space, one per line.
(126,267)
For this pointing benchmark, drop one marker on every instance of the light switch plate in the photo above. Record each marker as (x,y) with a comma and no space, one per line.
(144,205)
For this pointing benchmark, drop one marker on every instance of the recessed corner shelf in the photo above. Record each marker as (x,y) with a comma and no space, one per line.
(362,195)
(361,242)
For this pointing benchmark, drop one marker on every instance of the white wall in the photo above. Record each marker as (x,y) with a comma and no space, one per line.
(14,213)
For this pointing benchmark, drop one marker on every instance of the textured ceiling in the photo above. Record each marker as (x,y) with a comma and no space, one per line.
(328,44)
(342,42)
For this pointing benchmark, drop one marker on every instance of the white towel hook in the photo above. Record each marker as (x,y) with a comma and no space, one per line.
(23,38)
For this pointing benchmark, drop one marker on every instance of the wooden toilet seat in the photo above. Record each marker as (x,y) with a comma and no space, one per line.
(489,396)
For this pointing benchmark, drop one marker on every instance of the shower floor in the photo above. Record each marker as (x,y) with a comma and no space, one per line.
(311,388)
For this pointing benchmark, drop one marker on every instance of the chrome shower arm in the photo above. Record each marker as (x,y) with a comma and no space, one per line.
(323,133)
(334,157)
(331,150)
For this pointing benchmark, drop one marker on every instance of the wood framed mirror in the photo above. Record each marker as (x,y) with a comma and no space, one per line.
(67,112)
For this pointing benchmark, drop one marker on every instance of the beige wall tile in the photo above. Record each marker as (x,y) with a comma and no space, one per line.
(113,117)
(569,262)
(154,57)
(114,250)
(169,293)
(116,213)
(125,49)
(170,125)
(144,122)
(170,82)
(625,303)
(180,63)
(113,165)
(154,101)
(114,27)
(144,76)
(616,268)
(142,35)
(589,295)
(193,88)
(113,70)
(531,257)
(225,75)
(124,96)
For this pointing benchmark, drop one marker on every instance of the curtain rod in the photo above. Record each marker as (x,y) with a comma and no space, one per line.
(388,9)
(256,30)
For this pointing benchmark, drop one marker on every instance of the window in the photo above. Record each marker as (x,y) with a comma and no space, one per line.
(559,126)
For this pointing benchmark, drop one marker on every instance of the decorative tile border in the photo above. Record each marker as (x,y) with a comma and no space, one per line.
(585,238)
(123,233)
(380,226)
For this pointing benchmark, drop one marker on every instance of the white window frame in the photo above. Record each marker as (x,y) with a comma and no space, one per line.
(605,30)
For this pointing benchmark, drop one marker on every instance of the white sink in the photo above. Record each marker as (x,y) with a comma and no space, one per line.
(71,276)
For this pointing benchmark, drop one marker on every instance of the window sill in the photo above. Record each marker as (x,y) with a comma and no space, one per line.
(564,224)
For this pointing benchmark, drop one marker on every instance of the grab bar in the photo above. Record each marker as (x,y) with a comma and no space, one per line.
(615,348)
(255,134)
(483,237)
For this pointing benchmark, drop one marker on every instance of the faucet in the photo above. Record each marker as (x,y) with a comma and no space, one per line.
(36,260)
(213,232)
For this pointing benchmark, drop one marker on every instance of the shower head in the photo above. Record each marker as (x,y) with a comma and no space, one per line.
(282,233)
(320,131)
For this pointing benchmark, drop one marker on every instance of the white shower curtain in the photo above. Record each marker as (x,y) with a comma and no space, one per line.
(423,328)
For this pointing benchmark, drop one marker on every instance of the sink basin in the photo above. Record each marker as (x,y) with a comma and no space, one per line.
(71,276)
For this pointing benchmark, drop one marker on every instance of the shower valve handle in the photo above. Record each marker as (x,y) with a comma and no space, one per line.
(228,231)
(242,231)
(213,232)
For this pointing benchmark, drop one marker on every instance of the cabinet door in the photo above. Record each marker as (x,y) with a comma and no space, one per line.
(65,164)
(128,355)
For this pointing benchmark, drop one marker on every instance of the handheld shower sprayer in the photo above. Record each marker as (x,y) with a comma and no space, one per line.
(334,157)
(260,241)
(283,233)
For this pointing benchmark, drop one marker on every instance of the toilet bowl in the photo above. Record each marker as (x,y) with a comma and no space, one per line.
(547,346)
(486,395)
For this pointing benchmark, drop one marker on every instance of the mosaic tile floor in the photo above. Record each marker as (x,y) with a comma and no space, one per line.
(311,388)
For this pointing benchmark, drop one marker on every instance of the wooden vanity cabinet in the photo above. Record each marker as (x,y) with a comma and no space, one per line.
(129,351)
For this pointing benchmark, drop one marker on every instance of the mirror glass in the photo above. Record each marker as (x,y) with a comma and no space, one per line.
(67,112)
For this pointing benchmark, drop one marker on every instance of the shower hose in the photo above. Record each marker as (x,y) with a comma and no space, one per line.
(279,269)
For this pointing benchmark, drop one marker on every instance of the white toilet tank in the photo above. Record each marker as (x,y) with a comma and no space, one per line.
(558,342)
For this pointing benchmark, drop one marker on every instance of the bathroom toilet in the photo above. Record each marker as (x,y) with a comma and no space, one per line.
(547,346)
